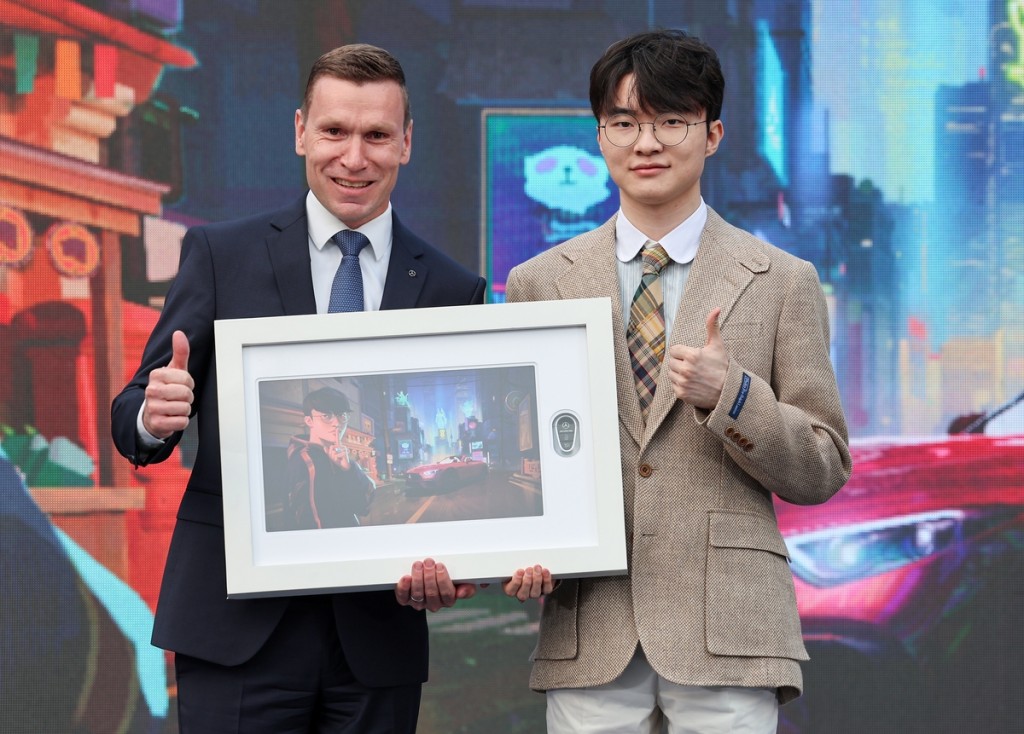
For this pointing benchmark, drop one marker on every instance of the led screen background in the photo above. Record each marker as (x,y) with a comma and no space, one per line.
(881,141)
(544,182)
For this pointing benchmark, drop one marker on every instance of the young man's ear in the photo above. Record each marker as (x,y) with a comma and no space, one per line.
(716,131)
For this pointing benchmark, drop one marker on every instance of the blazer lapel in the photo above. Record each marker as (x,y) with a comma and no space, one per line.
(719,275)
(288,246)
(593,272)
(406,270)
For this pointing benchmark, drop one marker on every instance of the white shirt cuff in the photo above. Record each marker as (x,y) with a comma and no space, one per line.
(147,439)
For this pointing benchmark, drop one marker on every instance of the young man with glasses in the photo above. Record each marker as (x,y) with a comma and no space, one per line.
(326,487)
(726,399)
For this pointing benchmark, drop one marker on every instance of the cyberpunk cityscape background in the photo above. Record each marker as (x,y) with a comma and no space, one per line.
(882,141)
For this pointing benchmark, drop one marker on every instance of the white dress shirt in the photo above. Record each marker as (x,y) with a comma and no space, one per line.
(681,245)
(325,257)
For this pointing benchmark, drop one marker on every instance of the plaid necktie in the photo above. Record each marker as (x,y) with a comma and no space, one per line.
(347,289)
(646,332)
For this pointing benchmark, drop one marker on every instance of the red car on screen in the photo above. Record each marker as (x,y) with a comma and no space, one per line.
(910,584)
(448,473)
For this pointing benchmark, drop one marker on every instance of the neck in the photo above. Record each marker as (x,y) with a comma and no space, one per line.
(658,220)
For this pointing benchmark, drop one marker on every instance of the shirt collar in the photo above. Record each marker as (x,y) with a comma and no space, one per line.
(323,225)
(680,244)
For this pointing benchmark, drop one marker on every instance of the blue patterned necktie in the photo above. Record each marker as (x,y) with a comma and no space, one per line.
(347,289)
(645,334)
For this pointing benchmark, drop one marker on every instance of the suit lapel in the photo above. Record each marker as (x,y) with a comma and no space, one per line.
(406,270)
(719,275)
(593,272)
(288,246)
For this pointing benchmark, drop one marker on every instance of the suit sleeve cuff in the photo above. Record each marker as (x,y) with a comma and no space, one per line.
(732,403)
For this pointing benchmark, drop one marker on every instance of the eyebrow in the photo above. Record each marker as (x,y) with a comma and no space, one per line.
(653,113)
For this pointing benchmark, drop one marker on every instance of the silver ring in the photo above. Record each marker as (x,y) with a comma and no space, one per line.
(413,598)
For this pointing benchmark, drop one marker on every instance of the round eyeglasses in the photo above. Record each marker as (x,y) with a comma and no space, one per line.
(328,417)
(669,129)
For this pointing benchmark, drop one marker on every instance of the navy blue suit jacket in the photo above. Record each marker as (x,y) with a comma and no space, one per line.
(243,269)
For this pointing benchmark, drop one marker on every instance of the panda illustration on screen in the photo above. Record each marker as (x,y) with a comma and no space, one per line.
(566,182)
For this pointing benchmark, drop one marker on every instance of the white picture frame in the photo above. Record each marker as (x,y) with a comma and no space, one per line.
(574,528)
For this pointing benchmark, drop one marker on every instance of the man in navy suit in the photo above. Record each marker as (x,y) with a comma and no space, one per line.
(329,663)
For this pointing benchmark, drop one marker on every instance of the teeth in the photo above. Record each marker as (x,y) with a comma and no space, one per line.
(352,184)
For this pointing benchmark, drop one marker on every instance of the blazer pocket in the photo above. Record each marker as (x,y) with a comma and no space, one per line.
(751,603)
(202,507)
(558,638)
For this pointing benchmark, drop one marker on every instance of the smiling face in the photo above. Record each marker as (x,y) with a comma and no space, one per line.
(655,179)
(354,142)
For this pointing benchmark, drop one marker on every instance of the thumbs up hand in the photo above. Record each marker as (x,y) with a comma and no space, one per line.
(169,393)
(698,375)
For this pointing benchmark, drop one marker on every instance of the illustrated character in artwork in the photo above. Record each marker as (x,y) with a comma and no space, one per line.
(327,488)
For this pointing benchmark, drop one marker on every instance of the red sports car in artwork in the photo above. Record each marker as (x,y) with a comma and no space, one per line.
(910,584)
(448,473)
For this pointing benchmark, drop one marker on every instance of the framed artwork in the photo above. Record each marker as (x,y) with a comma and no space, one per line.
(355,444)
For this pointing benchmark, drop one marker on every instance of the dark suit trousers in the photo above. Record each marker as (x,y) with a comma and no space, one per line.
(299,682)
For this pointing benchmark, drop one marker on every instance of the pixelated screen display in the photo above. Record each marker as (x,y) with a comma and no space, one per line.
(882,142)
(546,182)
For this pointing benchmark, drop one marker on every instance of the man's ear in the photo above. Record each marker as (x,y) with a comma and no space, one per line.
(407,144)
(300,128)
(716,131)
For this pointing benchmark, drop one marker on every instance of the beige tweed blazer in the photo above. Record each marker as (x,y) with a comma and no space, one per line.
(709,595)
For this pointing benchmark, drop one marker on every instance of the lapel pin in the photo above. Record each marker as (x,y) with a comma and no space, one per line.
(412,273)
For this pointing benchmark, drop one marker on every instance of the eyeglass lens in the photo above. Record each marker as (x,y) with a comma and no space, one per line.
(328,417)
(670,129)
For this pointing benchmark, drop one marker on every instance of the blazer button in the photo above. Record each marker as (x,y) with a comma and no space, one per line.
(645,470)
(748,446)
(729,431)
